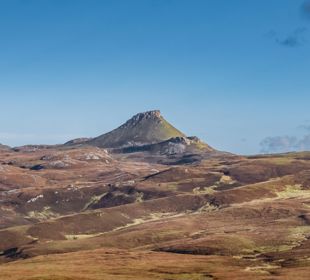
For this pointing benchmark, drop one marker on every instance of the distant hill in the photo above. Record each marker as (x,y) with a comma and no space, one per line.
(78,141)
(142,129)
(4,147)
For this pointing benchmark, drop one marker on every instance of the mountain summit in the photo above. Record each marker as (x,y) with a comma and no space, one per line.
(144,128)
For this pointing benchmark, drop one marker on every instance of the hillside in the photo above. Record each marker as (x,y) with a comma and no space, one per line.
(173,209)
(143,128)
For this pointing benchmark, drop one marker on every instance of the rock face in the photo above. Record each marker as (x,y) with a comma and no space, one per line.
(142,129)
(173,146)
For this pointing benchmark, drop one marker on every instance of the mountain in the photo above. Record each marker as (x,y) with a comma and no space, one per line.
(150,138)
(144,128)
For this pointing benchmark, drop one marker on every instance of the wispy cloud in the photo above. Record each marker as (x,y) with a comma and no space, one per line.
(305,9)
(305,127)
(282,144)
(297,37)
(278,144)
(294,39)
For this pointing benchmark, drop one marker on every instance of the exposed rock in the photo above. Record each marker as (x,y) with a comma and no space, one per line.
(98,155)
(59,164)
(175,145)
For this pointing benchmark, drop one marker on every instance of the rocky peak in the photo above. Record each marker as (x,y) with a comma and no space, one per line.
(149,115)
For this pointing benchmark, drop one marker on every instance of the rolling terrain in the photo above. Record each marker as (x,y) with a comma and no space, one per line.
(145,201)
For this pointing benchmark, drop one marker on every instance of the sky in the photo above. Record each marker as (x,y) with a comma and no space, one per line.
(233,73)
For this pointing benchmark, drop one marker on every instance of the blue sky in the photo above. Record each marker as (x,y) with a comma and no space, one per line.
(231,72)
